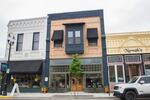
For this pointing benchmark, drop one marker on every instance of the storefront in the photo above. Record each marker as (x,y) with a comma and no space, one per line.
(128,55)
(27,74)
(90,81)
(79,33)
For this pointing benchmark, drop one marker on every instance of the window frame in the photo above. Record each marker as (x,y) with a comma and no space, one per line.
(19,42)
(34,41)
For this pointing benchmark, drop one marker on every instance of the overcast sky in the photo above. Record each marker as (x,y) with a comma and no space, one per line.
(119,15)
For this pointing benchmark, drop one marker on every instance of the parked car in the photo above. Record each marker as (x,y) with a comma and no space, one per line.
(138,86)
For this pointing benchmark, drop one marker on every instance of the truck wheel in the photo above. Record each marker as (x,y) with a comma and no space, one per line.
(130,95)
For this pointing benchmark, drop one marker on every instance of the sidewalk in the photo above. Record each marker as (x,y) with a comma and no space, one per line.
(95,95)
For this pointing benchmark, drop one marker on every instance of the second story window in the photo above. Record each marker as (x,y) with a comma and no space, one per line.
(77,37)
(57,38)
(35,44)
(19,42)
(70,37)
(92,36)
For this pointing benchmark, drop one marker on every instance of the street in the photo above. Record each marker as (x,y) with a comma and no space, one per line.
(66,98)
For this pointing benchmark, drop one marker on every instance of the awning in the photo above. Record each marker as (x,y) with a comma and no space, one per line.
(92,33)
(57,35)
(25,66)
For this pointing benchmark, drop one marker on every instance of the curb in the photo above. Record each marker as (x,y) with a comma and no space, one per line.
(6,97)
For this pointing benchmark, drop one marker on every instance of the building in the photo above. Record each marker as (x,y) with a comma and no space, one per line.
(79,33)
(128,55)
(27,59)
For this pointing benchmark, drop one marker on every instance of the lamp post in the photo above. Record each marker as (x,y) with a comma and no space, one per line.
(6,77)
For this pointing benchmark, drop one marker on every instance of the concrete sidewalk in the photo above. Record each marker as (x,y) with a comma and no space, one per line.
(64,94)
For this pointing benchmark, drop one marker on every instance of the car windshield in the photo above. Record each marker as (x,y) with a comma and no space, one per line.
(133,80)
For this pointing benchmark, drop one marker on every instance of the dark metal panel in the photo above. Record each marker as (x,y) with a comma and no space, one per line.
(104,52)
(79,14)
(92,33)
(25,66)
(57,35)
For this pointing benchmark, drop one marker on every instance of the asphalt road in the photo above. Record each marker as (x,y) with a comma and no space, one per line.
(66,98)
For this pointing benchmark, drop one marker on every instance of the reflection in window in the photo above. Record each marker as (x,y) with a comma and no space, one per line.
(147,69)
(58,44)
(120,73)
(92,42)
(70,37)
(77,37)
(58,81)
(26,80)
(112,73)
(93,81)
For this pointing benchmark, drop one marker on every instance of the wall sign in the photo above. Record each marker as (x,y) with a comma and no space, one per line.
(133,50)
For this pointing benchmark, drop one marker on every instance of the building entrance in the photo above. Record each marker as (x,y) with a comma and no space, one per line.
(77,83)
(133,70)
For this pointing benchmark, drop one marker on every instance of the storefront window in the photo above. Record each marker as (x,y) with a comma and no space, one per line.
(120,73)
(112,73)
(26,80)
(147,69)
(93,81)
(58,81)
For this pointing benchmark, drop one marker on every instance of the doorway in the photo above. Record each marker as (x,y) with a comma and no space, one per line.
(133,70)
(77,83)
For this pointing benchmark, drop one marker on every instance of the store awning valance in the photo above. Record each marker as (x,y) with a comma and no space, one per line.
(92,33)
(25,66)
(57,35)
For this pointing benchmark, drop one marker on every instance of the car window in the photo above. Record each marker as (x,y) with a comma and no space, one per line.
(145,79)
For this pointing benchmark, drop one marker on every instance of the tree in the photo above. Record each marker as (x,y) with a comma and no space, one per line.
(75,67)
(75,70)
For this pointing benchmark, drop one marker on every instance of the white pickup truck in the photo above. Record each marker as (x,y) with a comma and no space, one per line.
(138,86)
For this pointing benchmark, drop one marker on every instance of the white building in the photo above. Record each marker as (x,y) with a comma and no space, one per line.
(28,53)
(27,28)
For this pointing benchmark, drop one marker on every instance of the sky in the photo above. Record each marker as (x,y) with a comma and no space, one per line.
(119,15)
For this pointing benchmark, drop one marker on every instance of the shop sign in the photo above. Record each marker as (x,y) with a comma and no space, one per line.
(132,50)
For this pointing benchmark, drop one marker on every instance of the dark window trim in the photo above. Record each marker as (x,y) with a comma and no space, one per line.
(19,42)
(61,43)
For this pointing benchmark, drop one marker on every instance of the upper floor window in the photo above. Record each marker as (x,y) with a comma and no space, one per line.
(70,37)
(77,37)
(92,36)
(19,42)
(35,44)
(92,42)
(57,44)
(57,38)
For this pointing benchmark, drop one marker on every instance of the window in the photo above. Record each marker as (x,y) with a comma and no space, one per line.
(35,45)
(147,69)
(132,58)
(58,44)
(26,80)
(93,81)
(145,79)
(92,42)
(146,57)
(112,74)
(77,37)
(19,42)
(120,73)
(57,81)
(70,37)
(115,59)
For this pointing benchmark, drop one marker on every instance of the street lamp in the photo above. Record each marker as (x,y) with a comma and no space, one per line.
(6,75)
